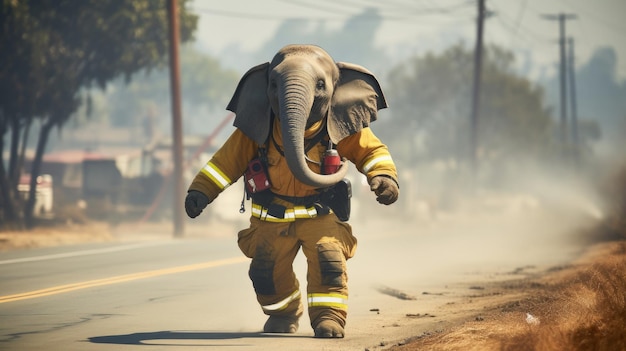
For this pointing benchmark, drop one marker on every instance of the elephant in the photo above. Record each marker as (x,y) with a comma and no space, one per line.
(309,103)
(301,86)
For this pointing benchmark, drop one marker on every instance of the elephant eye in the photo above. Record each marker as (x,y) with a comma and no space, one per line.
(320,84)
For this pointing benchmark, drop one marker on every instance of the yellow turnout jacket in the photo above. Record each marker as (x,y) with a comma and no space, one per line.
(363,148)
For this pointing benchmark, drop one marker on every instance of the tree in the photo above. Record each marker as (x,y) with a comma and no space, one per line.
(430,99)
(206,86)
(58,48)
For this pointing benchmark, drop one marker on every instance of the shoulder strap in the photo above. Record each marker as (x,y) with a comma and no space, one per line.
(263,148)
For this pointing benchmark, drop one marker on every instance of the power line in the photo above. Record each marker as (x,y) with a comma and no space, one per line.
(478,53)
(405,8)
(261,17)
(442,10)
(520,15)
(177,137)
(316,7)
(384,13)
(573,99)
(530,35)
(395,4)
(514,30)
(609,24)
(562,18)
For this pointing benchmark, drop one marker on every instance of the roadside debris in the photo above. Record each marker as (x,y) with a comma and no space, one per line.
(395,293)
(420,315)
(531,320)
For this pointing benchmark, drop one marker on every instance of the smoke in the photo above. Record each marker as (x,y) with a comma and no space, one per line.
(445,231)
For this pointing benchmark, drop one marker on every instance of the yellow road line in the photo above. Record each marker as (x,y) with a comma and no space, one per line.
(119,279)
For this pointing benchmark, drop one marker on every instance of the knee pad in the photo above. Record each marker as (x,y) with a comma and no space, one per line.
(262,272)
(262,275)
(331,262)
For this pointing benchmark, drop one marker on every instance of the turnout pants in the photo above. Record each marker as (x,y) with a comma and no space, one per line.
(325,241)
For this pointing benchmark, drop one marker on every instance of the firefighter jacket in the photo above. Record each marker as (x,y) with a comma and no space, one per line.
(364,149)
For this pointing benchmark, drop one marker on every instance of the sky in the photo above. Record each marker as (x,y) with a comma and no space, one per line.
(417,26)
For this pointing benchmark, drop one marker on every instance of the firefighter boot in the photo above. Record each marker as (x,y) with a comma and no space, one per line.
(281,324)
(329,324)
(285,321)
(328,329)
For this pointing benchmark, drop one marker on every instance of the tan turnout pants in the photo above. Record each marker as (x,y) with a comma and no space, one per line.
(325,241)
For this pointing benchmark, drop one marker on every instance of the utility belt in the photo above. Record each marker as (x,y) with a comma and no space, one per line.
(279,213)
(334,199)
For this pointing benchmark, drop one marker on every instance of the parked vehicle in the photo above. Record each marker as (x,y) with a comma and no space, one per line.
(43,194)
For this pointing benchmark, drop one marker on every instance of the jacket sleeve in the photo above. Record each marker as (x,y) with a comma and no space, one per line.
(369,154)
(226,166)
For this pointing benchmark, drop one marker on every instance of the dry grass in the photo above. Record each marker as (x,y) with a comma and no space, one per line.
(55,235)
(580,308)
(587,312)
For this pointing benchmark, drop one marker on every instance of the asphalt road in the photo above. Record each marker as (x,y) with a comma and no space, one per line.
(194,294)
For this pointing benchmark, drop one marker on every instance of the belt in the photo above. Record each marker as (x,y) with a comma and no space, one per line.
(287,214)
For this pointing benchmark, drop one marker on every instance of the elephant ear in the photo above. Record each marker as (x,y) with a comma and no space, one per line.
(355,103)
(251,104)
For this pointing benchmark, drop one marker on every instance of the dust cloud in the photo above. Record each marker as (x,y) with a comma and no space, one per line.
(450,232)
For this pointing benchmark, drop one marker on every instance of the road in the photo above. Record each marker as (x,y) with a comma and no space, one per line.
(194,293)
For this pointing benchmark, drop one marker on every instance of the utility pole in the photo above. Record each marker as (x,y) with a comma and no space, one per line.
(573,100)
(478,58)
(177,139)
(562,18)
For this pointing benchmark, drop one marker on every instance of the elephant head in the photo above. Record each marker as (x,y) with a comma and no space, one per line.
(301,86)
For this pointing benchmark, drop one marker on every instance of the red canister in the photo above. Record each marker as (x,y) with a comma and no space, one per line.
(331,162)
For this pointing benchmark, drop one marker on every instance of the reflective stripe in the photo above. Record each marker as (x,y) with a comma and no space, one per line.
(291,214)
(219,178)
(375,161)
(328,300)
(281,305)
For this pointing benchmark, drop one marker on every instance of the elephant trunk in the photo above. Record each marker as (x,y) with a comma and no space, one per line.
(295,102)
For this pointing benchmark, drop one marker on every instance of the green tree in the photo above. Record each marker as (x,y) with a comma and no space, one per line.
(431,101)
(206,85)
(56,48)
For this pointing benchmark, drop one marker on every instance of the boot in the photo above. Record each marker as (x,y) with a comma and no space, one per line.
(281,324)
(329,329)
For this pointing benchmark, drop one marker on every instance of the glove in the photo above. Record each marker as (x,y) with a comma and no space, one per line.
(195,202)
(385,188)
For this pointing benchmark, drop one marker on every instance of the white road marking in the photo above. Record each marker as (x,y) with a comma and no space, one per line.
(85,252)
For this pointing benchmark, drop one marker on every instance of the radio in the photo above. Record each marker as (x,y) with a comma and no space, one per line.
(256,177)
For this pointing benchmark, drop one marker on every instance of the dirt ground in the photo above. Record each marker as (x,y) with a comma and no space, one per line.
(54,236)
(71,234)
(581,306)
